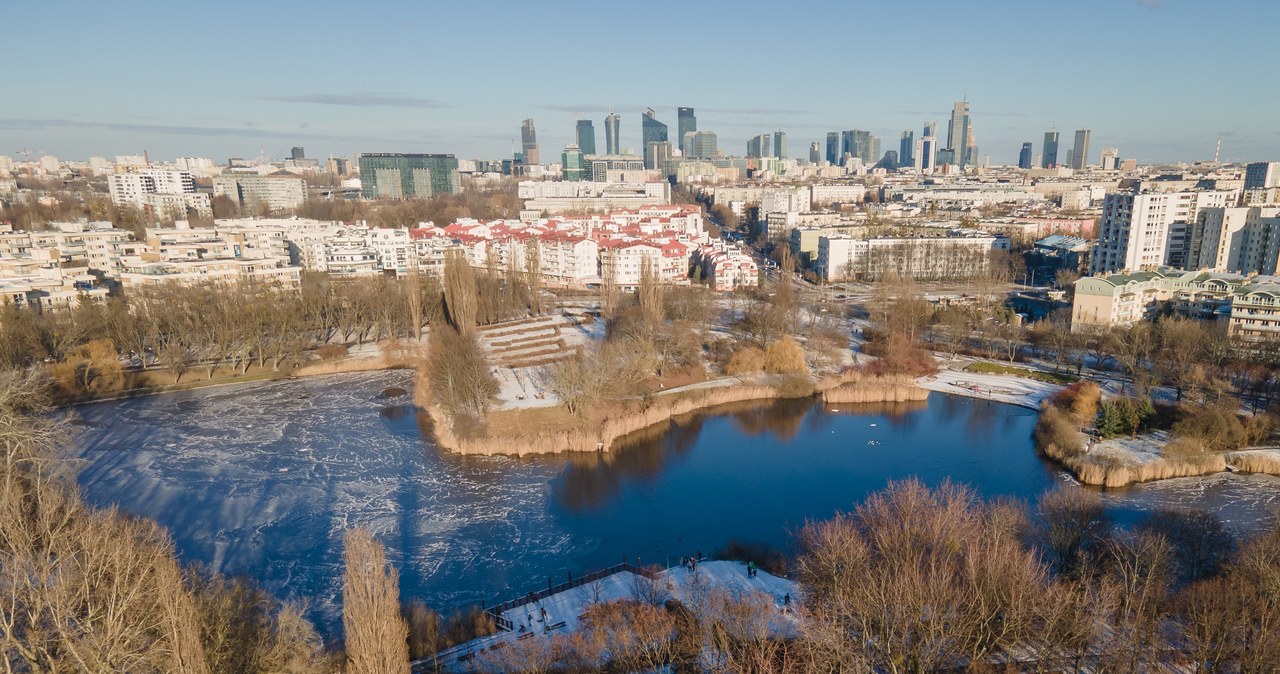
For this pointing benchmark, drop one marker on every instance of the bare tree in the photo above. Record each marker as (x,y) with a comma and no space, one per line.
(460,292)
(376,634)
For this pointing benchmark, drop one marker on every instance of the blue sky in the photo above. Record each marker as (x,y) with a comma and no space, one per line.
(1160,79)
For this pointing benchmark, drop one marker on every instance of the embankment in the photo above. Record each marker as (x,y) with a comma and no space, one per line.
(637,415)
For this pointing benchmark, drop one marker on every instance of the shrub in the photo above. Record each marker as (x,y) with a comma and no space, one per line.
(331,351)
(1056,434)
(1081,400)
(784,356)
(747,360)
(1217,428)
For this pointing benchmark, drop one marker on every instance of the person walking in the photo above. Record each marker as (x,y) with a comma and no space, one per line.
(751,569)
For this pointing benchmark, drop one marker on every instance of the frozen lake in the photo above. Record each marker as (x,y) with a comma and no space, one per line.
(261,479)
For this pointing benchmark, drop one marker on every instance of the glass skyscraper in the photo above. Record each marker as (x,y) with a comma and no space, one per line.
(586,136)
(686,122)
(907,148)
(651,131)
(1024,156)
(1050,158)
(529,142)
(611,124)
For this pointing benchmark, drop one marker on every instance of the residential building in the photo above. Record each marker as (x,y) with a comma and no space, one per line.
(686,122)
(529,143)
(408,176)
(273,192)
(586,132)
(1080,151)
(1261,180)
(1137,231)
(1125,299)
(961,254)
(1049,158)
(130,189)
(725,267)
(611,129)
(1239,239)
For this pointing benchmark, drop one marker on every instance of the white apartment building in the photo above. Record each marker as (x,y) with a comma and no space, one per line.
(961,255)
(275,192)
(624,262)
(1242,239)
(128,189)
(726,266)
(825,195)
(1137,229)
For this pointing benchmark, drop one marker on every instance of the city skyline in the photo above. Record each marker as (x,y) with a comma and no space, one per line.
(269,104)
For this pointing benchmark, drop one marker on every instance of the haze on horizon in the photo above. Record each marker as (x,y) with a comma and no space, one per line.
(1152,77)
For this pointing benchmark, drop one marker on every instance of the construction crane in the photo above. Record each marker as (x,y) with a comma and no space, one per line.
(26,153)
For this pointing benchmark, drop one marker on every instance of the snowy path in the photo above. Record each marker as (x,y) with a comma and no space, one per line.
(564,609)
(998,387)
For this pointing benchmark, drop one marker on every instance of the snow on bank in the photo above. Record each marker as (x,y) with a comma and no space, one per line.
(1002,388)
(565,609)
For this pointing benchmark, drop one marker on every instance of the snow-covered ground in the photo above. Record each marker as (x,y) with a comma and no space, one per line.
(565,609)
(1128,451)
(998,387)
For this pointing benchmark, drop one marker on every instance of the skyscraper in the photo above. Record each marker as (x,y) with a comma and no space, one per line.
(586,136)
(655,153)
(1080,151)
(685,122)
(833,147)
(907,148)
(571,167)
(651,131)
(700,144)
(297,153)
(960,141)
(611,124)
(815,152)
(926,152)
(1024,157)
(779,145)
(1050,156)
(529,143)
(848,144)
(760,146)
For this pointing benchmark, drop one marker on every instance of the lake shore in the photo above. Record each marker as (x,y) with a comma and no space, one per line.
(538,435)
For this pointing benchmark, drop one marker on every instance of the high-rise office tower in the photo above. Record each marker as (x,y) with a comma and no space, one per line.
(655,153)
(651,131)
(779,145)
(926,152)
(297,153)
(571,166)
(907,148)
(1024,157)
(611,124)
(833,147)
(1110,158)
(700,144)
(760,146)
(586,136)
(1080,151)
(1049,158)
(529,143)
(960,135)
(815,152)
(685,123)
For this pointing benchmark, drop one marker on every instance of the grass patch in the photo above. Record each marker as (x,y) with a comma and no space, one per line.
(1025,373)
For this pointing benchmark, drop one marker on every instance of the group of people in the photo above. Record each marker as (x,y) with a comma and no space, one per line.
(751,569)
(691,562)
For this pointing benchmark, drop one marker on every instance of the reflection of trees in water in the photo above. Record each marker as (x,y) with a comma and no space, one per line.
(591,480)
(780,418)
(898,415)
